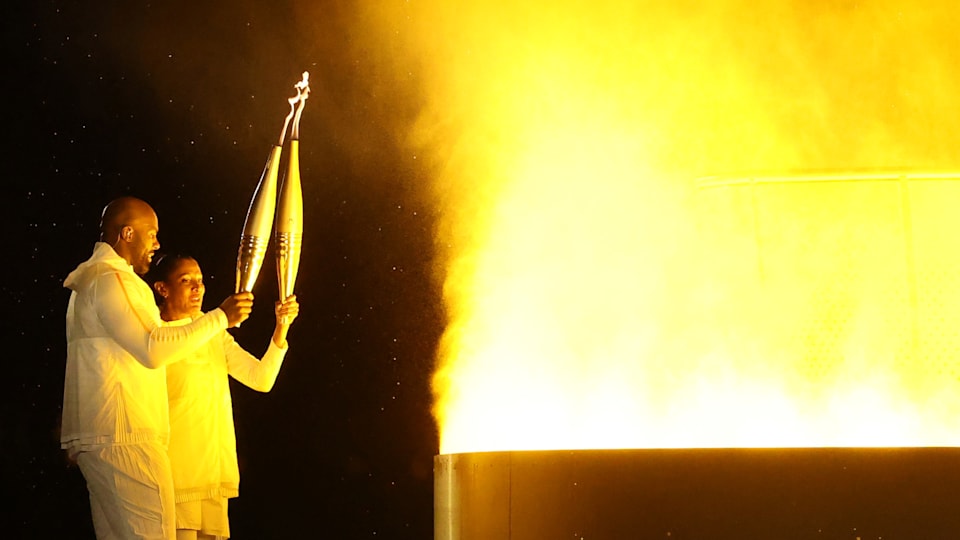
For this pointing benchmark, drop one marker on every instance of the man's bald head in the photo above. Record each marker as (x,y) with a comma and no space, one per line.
(122,212)
(130,226)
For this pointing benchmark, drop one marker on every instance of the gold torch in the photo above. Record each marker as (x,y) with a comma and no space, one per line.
(289,226)
(256,228)
(259,220)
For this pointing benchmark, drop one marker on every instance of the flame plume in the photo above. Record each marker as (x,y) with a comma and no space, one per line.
(564,139)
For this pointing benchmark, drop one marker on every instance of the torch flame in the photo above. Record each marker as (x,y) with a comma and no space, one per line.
(303,92)
(296,108)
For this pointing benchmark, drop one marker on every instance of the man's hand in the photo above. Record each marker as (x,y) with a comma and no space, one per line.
(237,307)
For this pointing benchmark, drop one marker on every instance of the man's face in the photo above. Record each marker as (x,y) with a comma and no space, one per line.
(144,243)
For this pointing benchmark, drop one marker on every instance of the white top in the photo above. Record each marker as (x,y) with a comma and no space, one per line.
(203,444)
(117,346)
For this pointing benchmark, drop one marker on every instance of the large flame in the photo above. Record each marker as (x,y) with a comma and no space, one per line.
(566,137)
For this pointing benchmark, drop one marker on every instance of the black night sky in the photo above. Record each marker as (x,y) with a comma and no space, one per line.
(179,103)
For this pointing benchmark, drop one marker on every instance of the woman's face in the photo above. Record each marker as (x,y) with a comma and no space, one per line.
(183,290)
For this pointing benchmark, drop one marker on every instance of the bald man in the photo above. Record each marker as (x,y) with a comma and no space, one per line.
(115,422)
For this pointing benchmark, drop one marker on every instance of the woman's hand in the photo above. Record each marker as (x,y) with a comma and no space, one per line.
(286,312)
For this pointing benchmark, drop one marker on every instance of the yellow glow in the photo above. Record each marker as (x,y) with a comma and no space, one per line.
(597,298)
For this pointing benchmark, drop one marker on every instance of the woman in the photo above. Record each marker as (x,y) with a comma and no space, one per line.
(203,451)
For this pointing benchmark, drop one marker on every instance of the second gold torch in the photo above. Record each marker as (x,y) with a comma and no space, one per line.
(288,230)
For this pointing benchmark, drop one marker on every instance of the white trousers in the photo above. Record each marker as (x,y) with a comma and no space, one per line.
(131,491)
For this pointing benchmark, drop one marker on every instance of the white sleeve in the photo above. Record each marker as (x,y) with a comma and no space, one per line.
(137,327)
(259,375)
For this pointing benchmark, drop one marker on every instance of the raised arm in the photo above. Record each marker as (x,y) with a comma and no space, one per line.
(131,319)
(261,374)
(285,313)
(258,374)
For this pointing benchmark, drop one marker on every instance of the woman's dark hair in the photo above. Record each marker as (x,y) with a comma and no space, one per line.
(160,270)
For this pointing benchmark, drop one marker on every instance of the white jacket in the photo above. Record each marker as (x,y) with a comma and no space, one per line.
(203,443)
(115,383)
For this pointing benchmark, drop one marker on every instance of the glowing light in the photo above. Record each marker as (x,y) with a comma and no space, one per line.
(587,310)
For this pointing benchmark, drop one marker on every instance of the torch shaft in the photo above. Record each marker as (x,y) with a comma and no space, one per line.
(288,230)
(256,227)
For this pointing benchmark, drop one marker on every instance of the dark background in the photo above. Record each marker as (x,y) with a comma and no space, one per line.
(179,103)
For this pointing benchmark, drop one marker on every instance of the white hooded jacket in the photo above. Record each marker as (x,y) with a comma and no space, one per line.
(117,346)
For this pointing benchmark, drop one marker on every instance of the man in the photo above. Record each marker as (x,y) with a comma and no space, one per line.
(115,420)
